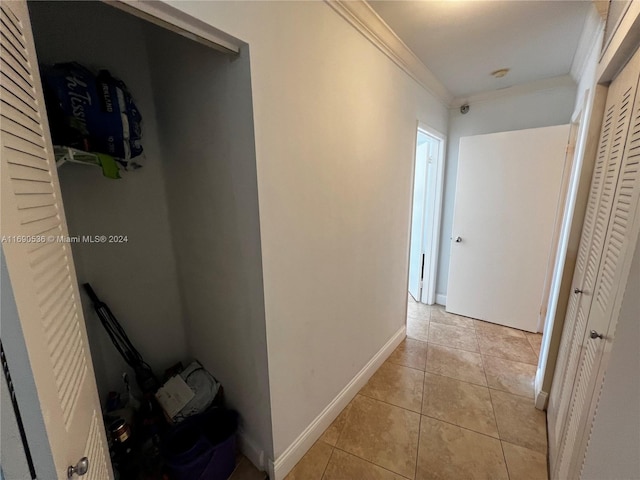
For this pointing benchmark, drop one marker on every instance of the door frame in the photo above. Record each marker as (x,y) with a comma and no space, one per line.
(166,16)
(589,117)
(433,213)
(38,447)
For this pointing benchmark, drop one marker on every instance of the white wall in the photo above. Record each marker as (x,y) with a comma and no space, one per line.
(138,279)
(513,112)
(335,128)
(615,437)
(206,126)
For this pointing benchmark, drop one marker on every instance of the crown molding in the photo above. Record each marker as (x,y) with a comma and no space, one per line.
(590,36)
(522,89)
(364,19)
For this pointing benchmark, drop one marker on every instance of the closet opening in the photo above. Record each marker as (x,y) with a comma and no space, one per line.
(172,246)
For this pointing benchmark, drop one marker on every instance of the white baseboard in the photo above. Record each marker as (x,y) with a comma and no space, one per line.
(542,397)
(271,470)
(292,455)
(250,450)
(441,299)
(541,400)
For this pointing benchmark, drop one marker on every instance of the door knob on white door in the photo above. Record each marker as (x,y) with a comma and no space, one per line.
(593,334)
(80,469)
(458,239)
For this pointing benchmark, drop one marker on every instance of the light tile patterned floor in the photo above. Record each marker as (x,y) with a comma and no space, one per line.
(453,401)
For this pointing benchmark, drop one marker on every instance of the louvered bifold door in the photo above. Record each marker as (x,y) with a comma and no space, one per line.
(614,130)
(40,265)
(611,237)
(619,246)
(575,321)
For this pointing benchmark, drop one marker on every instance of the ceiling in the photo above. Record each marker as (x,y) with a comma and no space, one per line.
(463,41)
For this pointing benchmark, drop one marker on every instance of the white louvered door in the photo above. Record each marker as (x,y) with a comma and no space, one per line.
(40,268)
(609,231)
(612,137)
(619,246)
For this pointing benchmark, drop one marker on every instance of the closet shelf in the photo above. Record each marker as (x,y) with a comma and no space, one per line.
(73,155)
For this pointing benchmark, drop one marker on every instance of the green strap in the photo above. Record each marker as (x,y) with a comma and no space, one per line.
(109,166)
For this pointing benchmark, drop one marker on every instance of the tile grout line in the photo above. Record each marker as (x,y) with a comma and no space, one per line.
(495,417)
(452,325)
(531,345)
(493,408)
(424,385)
(511,393)
(456,379)
(460,380)
(369,461)
(345,420)
(336,447)
(391,404)
(462,428)
(426,358)
(327,465)
(430,416)
(477,353)
(504,456)
(505,461)
(457,348)
(477,384)
(524,448)
(399,365)
(509,359)
(415,470)
(403,408)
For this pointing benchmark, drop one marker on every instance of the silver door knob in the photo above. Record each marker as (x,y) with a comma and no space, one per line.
(593,334)
(80,469)
(458,239)
(577,291)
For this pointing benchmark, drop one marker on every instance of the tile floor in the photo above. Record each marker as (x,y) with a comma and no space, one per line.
(453,401)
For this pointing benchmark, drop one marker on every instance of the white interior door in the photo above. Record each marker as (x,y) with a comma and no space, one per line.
(40,267)
(416,252)
(431,229)
(506,199)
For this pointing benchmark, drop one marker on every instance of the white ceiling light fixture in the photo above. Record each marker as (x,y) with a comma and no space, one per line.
(500,72)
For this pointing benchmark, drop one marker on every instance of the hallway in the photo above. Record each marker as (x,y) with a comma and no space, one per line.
(455,400)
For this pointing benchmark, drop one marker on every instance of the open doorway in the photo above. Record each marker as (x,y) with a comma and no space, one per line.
(151,232)
(425,216)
